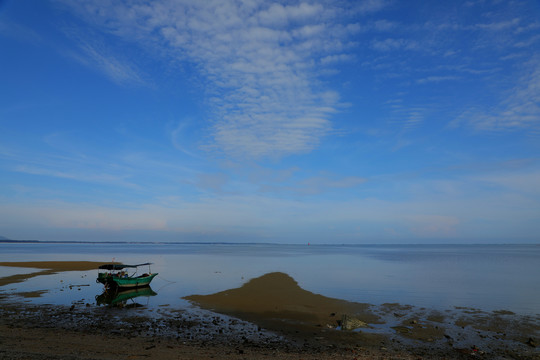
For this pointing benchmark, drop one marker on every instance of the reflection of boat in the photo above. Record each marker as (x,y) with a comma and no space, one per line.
(116,276)
(119,297)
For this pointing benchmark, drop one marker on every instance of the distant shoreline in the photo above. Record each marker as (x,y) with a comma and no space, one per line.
(133,242)
(9,241)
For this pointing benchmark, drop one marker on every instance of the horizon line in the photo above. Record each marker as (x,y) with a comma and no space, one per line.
(245,243)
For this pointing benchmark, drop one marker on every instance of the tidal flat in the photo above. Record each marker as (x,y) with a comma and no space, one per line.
(270,316)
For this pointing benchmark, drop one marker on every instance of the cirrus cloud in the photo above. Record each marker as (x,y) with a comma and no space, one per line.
(259,63)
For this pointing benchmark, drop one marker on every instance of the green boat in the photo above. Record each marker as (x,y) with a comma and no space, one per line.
(115,276)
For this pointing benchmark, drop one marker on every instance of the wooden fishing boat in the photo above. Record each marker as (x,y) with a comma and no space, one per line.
(116,276)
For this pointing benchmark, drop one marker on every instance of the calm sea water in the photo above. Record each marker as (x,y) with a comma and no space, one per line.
(488,277)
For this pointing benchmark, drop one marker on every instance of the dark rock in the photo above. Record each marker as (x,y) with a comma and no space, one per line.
(351,323)
(531,343)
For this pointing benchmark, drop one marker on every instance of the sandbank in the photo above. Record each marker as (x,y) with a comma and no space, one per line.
(55,265)
(275,301)
(278,296)
(49,268)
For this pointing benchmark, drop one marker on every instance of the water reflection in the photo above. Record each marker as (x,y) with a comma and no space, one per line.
(490,277)
(125,298)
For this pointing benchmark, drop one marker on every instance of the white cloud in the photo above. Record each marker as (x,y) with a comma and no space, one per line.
(434,78)
(277,14)
(370,6)
(528,42)
(336,58)
(259,60)
(517,182)
(384,25)
(395,44)
(519,110)
(499,26)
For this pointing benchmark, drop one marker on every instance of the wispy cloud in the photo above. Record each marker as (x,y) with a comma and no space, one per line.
(431,79)
(522,182)
(319,184)
(104,61)
(518,110)
(315,185)
(77,176)
(18,31)
(369,6)
(528,42)
(433,209)
(391,44)
(212,182)
(383,25)
(499,25)
(259,61)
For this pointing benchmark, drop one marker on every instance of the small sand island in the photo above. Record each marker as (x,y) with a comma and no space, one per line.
(276,301)
(268,317)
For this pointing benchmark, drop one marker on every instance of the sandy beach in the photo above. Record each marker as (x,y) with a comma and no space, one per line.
(268,317)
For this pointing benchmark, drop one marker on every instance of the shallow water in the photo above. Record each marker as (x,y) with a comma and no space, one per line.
(488,277)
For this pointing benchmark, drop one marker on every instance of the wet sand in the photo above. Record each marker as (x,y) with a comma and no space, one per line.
(56,265)
(268,317)
(47,268)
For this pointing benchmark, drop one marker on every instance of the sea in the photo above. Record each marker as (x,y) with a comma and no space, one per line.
(439,277)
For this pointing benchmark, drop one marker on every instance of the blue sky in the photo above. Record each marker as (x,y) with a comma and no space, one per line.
(374,121)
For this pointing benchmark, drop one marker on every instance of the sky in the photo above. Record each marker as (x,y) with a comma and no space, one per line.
(361,122)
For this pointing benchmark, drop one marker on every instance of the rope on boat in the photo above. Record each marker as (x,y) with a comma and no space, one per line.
(168,281)
(162,278)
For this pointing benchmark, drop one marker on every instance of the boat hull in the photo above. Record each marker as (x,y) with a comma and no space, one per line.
(125,283)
